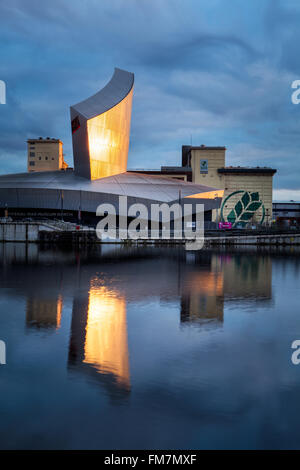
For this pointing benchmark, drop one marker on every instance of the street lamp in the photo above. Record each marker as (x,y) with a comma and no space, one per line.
(217,209)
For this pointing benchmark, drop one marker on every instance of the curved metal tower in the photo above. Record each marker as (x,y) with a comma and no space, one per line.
(101,128)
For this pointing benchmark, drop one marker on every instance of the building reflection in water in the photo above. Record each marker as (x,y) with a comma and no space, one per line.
(216,278)
(44,312)
(106,345)
(247,277)
(202,299)
(99,343)
(98,347)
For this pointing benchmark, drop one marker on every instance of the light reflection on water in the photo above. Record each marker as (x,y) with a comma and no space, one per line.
(148,348)
(99,335)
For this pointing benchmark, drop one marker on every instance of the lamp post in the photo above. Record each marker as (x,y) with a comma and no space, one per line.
(79,209)
(267,216)
(62,203)
(217,209)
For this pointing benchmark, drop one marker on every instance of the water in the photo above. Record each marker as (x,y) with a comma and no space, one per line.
(125,348)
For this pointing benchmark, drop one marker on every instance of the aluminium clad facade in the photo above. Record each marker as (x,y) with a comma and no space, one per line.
(101,129)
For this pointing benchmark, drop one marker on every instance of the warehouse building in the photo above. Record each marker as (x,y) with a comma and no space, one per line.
(287,213)
(45,155)
(248,191)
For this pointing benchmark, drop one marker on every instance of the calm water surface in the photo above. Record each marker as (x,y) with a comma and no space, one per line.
(148,348)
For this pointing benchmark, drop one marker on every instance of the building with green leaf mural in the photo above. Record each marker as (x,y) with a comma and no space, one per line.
(247,197)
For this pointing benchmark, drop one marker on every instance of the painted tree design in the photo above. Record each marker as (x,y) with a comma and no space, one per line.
(245,208)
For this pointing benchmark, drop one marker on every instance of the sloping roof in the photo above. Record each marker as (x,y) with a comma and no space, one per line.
(142,186)
(204,147)
(115,91)
(243,169)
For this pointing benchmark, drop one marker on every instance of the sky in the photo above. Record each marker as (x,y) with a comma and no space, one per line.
(213,72)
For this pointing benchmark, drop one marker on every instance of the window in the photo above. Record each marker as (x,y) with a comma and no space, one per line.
(32,154)
(31,163)
(40,158)
(46,158)
(52,158)
(32,148)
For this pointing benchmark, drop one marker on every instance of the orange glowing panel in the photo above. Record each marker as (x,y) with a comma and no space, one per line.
(108,138)
(218,193)
(59,311)
(106,346)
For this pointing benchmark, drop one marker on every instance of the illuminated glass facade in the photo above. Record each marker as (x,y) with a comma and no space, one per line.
(108,137)
(101,129)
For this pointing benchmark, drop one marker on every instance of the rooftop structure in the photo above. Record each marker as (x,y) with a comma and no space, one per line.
(101,127)
(45,155)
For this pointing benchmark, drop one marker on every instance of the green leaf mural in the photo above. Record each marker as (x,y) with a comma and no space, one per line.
(245,208)
(246,199)
(239,208)
(231,217)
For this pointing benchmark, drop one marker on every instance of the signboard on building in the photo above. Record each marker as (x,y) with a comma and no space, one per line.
(225,225)
(203,166)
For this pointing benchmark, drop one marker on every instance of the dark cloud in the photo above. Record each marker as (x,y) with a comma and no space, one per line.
(204,71)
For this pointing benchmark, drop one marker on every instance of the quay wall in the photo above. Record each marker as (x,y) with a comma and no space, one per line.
(43,232)
(16,232)
(259,240)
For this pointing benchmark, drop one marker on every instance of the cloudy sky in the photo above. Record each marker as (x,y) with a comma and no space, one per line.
(213,72)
